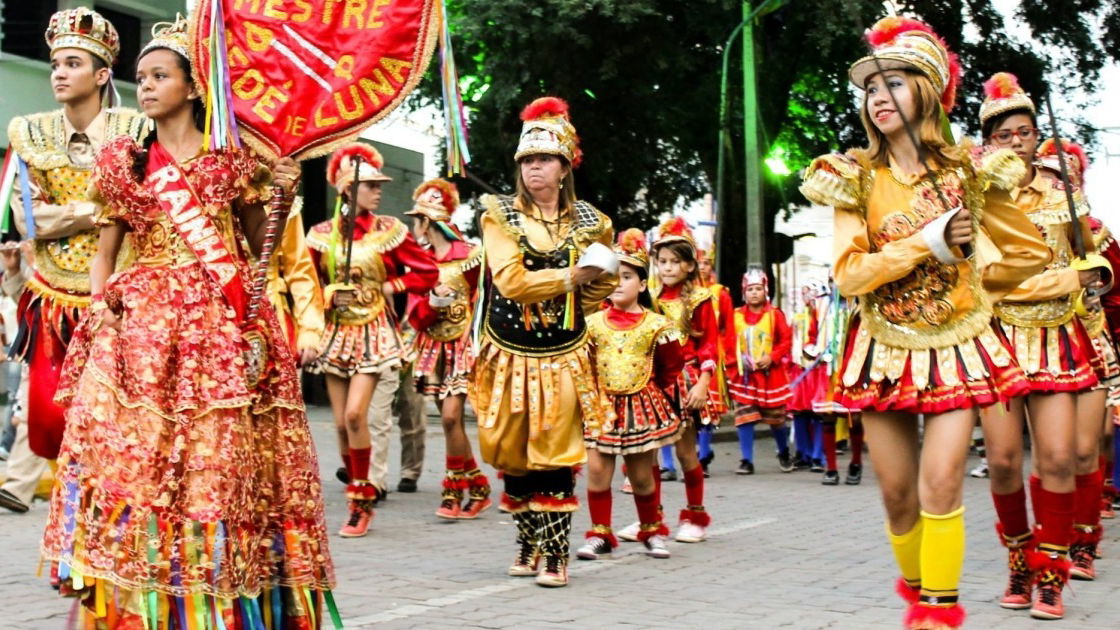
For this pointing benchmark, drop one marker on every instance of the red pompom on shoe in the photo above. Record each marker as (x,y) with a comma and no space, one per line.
(908,593)
(923,617)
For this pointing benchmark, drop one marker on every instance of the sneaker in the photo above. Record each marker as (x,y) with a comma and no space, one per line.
(831,478)
(841,446)
(855,475)
(449,508)
(1082,557)
(474,507)
(406,485)
(525,565)
(630,532)
(656,547)
(626,487)
(342,475)
(689,532)
(705,462)
(358,524)
(981,470)
(1107,510)
(785,462)
(817,466)
(801,464)
(12,502)
(746,467)
(668,474)
(554,573)
(1018,593)
(1048,599)
(593,548)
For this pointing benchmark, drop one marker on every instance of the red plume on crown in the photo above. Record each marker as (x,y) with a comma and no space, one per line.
(675,229)
(1047,149)
(546,107)
(632,241)
(341,158)
(1002,85)
(449,193)
(886,30)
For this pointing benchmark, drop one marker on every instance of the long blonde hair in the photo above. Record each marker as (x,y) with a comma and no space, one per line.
(927,103)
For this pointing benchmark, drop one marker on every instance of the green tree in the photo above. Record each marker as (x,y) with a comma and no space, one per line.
(642,78)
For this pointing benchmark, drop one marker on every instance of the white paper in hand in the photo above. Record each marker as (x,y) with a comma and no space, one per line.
(601,256)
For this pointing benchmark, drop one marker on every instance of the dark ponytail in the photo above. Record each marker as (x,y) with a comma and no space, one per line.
(198,114)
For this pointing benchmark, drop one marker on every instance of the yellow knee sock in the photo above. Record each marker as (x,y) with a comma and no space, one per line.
(907,552)
(942,554)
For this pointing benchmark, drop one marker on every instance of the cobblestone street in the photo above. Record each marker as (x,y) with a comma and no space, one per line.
(784,551)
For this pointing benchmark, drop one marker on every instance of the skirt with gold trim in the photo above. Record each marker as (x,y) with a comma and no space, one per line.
(977,373)
(1054,358)
(713,409)
(442,368)
(1109,373)
(348,349)
(765,389)
(644,421)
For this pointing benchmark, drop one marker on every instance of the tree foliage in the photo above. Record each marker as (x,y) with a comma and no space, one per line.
(643,79)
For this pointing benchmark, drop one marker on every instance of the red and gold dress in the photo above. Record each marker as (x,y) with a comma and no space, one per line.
(701,347)
(639,357)
(442,345)
(363,338)
(1103,325)
(1048,341)
(182,492)
(759,334)
(924,340)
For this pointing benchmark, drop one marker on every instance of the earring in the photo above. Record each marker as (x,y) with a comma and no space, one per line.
(561,185)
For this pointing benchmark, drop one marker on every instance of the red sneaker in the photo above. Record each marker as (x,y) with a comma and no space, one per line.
(449,508)
(474,507)
(1017,596)
(1048,598)
(358,523)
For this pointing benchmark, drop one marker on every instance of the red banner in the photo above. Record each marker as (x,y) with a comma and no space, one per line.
(306,75)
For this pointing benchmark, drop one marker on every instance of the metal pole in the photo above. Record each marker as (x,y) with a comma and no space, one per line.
(724,139)
(756,254)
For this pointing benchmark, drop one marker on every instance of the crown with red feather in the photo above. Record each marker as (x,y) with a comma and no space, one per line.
(340,169)
(632,248)
(546,129)
(1002,94)
(85,29)
(436,199)
(1077,162)
(899,43)
(675,229)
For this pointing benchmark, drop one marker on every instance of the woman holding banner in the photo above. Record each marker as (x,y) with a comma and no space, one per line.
(186,487)
(535,386)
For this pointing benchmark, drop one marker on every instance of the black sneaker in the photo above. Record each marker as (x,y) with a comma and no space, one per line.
(668,474)
(831,478)
(11,502)
(406,485)
(746,467)
(855,475)
(817,466)
(342,475)
(705,462)
(785,462)
(801,464)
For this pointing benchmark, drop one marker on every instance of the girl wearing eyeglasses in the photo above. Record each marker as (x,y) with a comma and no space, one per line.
(1057,356)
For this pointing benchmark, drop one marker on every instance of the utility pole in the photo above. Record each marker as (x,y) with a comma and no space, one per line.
(752,162)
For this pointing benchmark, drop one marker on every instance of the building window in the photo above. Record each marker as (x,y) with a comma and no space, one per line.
(23,28)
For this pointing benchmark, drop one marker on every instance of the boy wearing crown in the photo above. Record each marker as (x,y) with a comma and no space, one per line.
(56,153)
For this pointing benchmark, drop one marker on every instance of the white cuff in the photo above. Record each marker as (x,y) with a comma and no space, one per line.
(934,236)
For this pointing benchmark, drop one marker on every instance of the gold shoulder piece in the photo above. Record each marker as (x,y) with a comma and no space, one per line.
(1000,168)
(319,237)
(390,233)
(125,121)
(834,180)
(698,297)
(37,138)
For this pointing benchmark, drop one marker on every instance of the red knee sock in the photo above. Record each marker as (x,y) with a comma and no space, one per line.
(649,511)
(694,486)
(857,443)
(1036,488)
(599,504)
(348,464)
(829,444)
(359,460)
(1087,508)
(455,463)
(1011,510)
(657,483)
(1055,515)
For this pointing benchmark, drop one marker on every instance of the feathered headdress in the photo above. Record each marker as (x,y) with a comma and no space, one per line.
(437,200)
(907,44)
(1002,94)
(632,248)
(547,129)
(340,169)
(673,230)
(1077,162)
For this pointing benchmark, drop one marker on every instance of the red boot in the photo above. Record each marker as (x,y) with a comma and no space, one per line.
(1083,552)
(1051,574)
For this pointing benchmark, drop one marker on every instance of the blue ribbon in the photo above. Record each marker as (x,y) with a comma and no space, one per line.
(25,195)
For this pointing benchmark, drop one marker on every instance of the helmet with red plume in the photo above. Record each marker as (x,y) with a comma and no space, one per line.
(899,43)
(546,129)
(340,168)
(1002,94)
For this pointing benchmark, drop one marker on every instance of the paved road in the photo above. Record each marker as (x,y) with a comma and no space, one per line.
(784,552)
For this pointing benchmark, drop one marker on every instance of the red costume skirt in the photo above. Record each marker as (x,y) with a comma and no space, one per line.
(765,389)
(715,406)
(349,349)
(645,420)
(442,368)
(1055,358)
(975,373)
(1109,367)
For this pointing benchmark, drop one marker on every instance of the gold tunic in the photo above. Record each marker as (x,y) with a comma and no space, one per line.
(367,269)
(59,174)
(455,319)
(293,283)
(625,357)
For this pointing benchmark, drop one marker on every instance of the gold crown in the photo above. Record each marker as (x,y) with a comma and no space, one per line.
(1002,93)
(172,35)
(85,29)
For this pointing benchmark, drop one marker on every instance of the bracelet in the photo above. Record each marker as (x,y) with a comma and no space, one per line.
(98,305)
